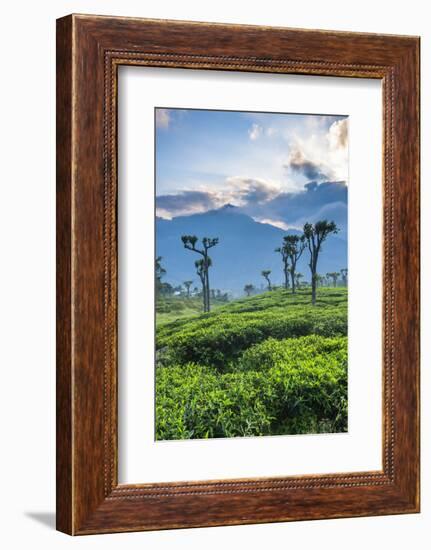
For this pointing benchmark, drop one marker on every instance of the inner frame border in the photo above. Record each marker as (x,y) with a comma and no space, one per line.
(114,59)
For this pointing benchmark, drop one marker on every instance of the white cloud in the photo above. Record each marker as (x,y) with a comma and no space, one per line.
(271,131)
(326,151)
(163,118)
(237,190)
(312,148)
(298,163)
(244,190)
(164,214)
(276,223)
(337,134)
(255,131)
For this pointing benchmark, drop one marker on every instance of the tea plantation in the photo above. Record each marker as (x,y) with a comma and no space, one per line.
(270,364)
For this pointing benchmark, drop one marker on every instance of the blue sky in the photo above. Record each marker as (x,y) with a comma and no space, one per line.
(277,168)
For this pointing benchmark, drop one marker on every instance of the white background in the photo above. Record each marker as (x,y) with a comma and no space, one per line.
(141,458)
(27,122)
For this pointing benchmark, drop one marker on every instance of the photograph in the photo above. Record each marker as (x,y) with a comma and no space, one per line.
(251,273)
(214,235)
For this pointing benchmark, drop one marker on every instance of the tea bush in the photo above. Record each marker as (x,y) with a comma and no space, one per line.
(219,338)
(294,385)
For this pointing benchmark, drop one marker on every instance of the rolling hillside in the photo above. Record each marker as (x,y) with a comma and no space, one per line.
(270,364)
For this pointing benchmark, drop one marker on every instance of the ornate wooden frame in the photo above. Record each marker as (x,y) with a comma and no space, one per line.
(89,51)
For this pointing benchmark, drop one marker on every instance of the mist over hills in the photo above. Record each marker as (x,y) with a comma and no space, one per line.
(245,248)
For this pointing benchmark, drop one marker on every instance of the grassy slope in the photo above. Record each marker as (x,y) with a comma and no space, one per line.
(267,364)
(219,337)
(174,308)
(267,302)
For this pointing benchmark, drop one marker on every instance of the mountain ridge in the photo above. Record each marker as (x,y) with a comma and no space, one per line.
(246,247)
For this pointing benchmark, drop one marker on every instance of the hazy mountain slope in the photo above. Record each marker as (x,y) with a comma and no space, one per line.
(245,248)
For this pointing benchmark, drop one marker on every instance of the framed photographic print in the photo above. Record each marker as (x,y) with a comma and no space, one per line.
(237,274)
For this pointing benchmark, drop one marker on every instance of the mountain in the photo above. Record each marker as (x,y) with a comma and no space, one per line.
(245,248)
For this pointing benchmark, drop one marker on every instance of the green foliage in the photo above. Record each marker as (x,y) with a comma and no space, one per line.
(263,365)
(249,289)
(288,386)
(194,402)
(172,308)
(160,272)
(219,338)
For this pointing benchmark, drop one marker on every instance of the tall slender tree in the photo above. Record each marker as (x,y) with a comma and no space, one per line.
(344,275)
(248,289)
(294,246)
(285,259)
(334,277)
(189,242)
(265,274)
(160,271)
(320,280)
(200,270)
(315,235)
(188,284)
(298,277)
